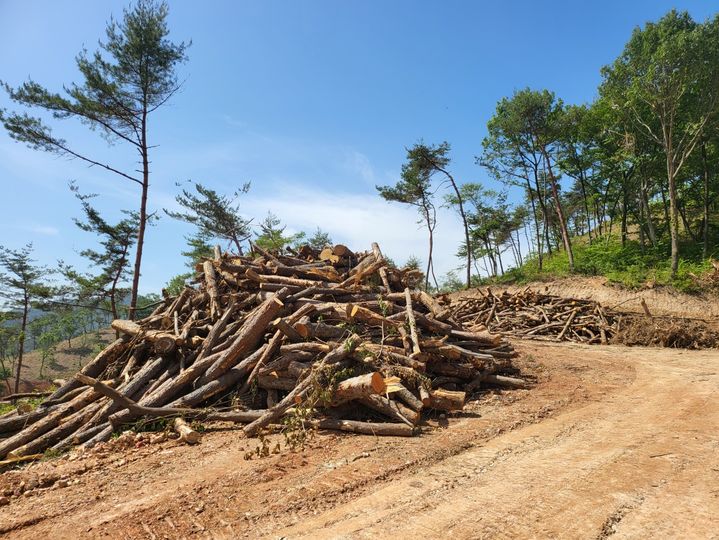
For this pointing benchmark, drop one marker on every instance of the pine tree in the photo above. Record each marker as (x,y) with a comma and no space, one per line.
(112,261)
(415,189)
(214,215)
(22,287)
(123,85)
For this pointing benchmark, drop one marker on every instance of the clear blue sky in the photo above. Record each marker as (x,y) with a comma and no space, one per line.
(313,101)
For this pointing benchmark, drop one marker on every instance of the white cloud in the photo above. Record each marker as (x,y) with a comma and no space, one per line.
(360,219)
(45,230)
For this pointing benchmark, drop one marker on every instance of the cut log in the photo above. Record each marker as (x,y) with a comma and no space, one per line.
(250,334)
(358,387)
(162,342)
(185,431)
(391,409)
(284,327)
(318,330)
(365,428)
(409,399)
(447,400)
(276,382)
(411,322)
(327,254)
(424,396)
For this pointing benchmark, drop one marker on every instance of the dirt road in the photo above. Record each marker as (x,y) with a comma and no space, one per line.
(639,462)
(612,441)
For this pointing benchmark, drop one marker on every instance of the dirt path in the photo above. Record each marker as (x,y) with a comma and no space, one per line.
(640,462)
(611,441)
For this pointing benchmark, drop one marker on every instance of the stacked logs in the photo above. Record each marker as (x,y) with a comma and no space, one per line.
(260,339)
(531,314)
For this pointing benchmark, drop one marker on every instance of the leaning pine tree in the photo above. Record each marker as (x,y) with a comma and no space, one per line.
(111,261)
(215,215)
(415,189)
(123,84)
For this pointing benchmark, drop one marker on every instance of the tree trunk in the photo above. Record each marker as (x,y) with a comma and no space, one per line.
(625,203)
(543,207)
(536,224)
(673,213)
(143,220)
(705,232)
(685,221)
(560,212)
(21,341)
(665,205)
(651,230)
(466,227)
(499,257)
(586,206)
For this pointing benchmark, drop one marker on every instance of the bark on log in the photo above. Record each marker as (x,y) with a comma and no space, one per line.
(93,369)
(276,382)
(447,400)
(318,330)
(365,428)
(391,409)
(358,387)
(185,431)
(162,342)
(250,334)
(409,399)
(411,322)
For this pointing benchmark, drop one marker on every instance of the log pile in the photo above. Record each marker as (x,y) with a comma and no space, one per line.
(531,314)
(260,339)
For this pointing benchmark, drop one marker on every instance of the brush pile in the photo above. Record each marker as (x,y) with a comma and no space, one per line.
(328,339)
(531,314)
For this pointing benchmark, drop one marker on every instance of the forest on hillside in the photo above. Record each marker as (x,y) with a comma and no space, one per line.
(625,186)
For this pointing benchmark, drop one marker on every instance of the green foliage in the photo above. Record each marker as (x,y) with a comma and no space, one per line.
(122,84)
(665,86)
(450,283)
(413,262)
(22,286)
(415,189)
(198,249)
(132,76)
(177,284)
(6,408)
(625,265)
(52,453)
(319,239)
(272,235)
(214,215)
(112,262)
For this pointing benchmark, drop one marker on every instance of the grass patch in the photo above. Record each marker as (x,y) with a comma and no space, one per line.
(627,265)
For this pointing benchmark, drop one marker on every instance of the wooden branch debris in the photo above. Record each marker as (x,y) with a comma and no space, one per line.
(339,333)
(534,315)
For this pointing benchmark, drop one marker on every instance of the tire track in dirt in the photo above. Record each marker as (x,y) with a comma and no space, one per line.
(617,465)
(606,442)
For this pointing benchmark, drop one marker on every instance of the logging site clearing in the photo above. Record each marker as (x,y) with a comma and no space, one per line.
(508,329)
(604,440)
